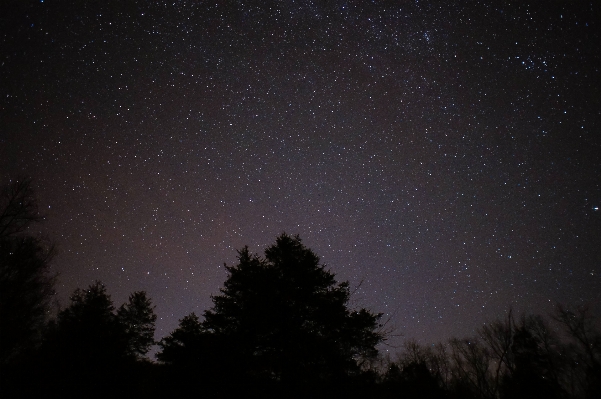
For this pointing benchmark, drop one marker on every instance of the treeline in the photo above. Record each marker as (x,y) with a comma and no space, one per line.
(527,357)
(281,327)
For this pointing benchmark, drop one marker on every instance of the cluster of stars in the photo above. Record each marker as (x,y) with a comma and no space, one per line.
(443,154)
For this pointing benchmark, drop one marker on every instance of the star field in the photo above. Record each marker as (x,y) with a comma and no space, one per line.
(444,154)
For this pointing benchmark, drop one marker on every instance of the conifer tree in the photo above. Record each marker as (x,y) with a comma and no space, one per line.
(285,317)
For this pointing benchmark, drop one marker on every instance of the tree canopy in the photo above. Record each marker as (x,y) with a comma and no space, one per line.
(285,317)
(137,318)
(91,330)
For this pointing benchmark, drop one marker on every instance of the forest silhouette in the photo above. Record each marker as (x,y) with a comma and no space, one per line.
(281,327)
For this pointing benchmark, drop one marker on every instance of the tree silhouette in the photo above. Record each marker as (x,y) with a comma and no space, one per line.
(182,346)
(472,364)
(87,331)
(90,330)
(284,317)
(192,354)
(585,349)
(137,319)
(26,286)
(530,377)
(498,337)
(19,208)
(93,347)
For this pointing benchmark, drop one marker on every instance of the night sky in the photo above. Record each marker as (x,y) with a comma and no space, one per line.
(446,154)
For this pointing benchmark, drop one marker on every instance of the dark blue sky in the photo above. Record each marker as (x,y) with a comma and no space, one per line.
(447,154)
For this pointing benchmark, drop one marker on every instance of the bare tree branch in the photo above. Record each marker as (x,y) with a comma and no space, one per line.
(18,207)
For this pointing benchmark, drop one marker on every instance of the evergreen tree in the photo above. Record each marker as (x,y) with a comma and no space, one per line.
(88,331)
(284,317)
(181,347)
(137,317)
(91,347)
